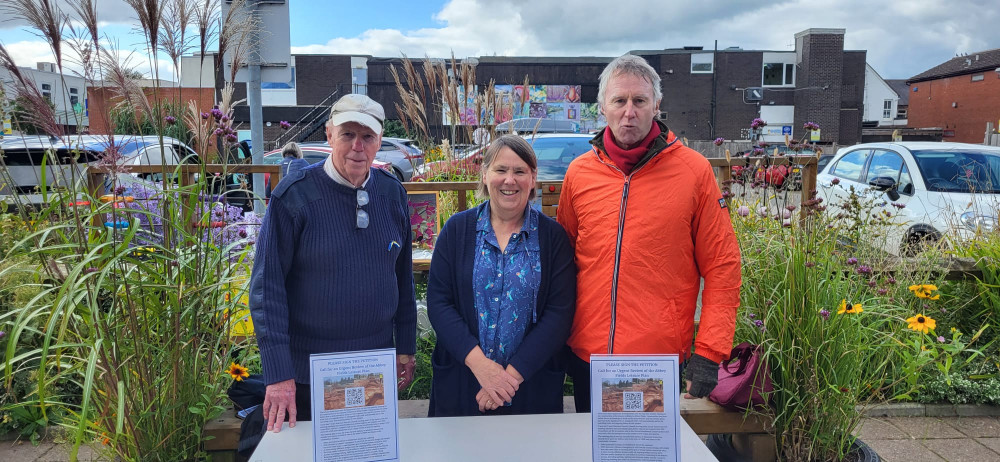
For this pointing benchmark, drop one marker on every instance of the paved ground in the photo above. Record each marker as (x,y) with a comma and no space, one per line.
(933,439)
(906,439)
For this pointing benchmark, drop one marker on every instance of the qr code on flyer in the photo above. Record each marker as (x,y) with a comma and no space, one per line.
(632,401)
(354,396)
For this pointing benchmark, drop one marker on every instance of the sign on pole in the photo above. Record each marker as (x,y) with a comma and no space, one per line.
(274,40)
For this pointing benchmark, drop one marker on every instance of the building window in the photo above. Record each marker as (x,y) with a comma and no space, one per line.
(359,77)
(978,77)
(47,91)
(702,63)
(887,109)
(901,113)
(778,74)
(74,97)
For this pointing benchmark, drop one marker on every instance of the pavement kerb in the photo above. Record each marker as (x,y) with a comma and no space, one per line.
(929,410)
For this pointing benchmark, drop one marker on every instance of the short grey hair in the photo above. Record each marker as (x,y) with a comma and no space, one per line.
(291,149)
(520,147)
(631,65)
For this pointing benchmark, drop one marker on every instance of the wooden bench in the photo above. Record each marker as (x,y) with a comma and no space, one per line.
(750,434)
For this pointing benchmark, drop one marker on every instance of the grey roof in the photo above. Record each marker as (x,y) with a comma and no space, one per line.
(971,63)
(902,90)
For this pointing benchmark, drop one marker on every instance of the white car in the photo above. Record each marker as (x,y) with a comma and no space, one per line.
(946,190)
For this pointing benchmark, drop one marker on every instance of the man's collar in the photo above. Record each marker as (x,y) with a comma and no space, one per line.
(332,172)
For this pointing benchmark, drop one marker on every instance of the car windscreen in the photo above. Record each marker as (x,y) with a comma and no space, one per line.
(555,154)
(966,171)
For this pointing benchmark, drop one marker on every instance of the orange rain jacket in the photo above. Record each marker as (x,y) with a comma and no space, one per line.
(643,241)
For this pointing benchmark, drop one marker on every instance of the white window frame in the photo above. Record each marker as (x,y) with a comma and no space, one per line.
(701,59)
(887,109)
(978,77)
(784,60)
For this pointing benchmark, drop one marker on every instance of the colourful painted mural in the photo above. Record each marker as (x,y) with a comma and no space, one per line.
(561,102)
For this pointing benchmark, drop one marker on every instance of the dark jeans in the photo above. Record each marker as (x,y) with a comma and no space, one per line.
(579,371)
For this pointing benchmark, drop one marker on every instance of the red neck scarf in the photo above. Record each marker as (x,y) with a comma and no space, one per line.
(626,159)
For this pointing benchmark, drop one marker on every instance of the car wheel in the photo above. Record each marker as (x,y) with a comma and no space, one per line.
(398,173)
(919,240)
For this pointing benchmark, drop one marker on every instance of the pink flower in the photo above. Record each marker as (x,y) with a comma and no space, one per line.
(285,125)
(719,141)
(743,211)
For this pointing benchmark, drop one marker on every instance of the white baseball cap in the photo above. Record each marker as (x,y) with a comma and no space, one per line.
(358,108)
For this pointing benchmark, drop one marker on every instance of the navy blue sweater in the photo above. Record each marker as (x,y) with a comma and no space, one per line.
(452,311)
(319,284)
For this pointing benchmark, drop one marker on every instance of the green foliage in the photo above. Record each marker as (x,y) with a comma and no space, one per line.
(421,386)
(819,297)
(20,116)
(393,128)
(126,122)
(126,330)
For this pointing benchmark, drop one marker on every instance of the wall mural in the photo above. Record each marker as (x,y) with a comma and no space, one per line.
(560,102)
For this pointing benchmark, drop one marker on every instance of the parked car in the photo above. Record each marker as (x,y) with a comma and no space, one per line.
(530,125)
(935,190)
(554,153)
(24,157)
(312,153)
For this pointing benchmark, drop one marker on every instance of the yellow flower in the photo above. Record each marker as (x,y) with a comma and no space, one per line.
(921,323)
(237,372)
(849,308)
(924,291)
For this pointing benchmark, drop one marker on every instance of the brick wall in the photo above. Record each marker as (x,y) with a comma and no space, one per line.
(821,66)
(976,103)
(316,76)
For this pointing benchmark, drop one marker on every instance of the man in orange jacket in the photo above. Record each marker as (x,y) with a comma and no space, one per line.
(648,223)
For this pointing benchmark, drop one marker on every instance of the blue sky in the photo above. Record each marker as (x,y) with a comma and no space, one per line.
(902,38)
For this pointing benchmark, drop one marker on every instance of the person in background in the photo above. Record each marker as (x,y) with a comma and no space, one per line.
(648,223)
(291,162)
(501,295)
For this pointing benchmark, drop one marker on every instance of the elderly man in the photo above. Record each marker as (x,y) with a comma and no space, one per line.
(648,222)
(333,268)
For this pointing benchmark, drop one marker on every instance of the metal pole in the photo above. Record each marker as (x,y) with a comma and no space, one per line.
(256,117)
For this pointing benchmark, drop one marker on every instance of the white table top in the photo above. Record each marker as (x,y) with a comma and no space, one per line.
(550,437)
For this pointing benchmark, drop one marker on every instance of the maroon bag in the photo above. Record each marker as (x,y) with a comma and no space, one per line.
(744,379)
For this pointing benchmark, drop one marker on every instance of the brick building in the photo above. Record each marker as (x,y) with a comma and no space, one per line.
(958,96)
(707,93)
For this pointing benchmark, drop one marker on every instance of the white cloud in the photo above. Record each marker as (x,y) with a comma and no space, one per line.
(108,12)
(902,38)
(29,53)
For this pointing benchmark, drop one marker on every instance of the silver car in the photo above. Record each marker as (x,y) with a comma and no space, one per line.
(23,159)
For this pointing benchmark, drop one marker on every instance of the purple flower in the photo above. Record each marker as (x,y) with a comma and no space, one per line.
(790,208)
(91,269)
(751,315)
(216,113)
(883,291)
(170,120)
(891,280)
(758,123)
(810,264)
(941,338)
(2,334)
(243,233)
(758,323)
(810,126)
(786,214)
(119,190)
(864,269)
(872,283)
(835,181)
(762,211)
(285,126)
(852,261)
(231,138)
(204,116)
(898,205)
(218,132)
(758,151)
(743,211)
(824,313)
(224,118)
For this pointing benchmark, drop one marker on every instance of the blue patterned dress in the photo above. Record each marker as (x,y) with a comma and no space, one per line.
(506,285)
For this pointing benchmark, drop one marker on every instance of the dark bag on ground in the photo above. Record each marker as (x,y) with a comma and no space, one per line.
(246,394)
(744,379)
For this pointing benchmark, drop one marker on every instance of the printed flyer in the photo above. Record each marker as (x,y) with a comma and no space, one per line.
(635,409)
(355,417)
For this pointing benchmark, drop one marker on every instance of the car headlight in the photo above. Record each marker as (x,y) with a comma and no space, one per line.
(979,222)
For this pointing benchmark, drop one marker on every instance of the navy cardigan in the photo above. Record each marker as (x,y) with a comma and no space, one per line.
(452,312)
